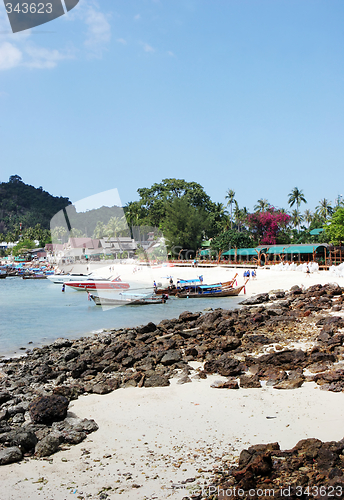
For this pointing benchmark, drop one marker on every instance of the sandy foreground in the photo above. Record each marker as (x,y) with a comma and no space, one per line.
(151,440)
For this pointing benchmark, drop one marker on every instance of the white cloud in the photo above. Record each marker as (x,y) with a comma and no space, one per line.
(18,50)
(137,17)
(10,56)
(147,47)
(42,58)
(99,31)
(170,53)
(122,41)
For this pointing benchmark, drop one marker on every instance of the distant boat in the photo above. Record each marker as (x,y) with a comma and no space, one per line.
(34,277)
(210,291)
(128,298)
(100,284)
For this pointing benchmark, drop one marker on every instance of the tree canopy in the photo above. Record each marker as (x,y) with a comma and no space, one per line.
(335,227)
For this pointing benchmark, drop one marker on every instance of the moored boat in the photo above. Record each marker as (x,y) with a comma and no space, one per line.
(190,285)
(59,279)
(210,291)
(115,284)
(34,277)
(127,298)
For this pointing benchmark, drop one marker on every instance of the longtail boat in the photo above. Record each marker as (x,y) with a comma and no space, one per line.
(210,291)
(185,285)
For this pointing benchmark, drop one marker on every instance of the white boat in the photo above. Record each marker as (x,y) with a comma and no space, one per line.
(96,284)
(126,298)
(59,279)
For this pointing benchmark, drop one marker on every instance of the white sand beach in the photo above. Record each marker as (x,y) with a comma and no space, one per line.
(150,440)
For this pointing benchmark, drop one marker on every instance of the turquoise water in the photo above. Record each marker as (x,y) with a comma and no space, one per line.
(37,311)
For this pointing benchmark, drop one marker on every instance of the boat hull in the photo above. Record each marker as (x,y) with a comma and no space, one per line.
(230,292)
(104,301)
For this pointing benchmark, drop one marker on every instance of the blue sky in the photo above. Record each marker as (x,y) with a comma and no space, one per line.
(240,94)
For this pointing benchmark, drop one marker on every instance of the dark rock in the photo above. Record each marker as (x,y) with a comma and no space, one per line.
(48,409)
(24,439)
(156,381)
(189,316)
(47,446)
(256,299)
(171,357)
(10,455)
(288,358)
(60,343)
(4,396)
(249,382)
(71,354)
(150,327)
(73,436)
(224,365)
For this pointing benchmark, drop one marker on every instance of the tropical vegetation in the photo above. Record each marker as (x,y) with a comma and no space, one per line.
(182,211)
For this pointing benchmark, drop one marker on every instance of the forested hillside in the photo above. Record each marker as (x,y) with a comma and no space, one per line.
(21,203)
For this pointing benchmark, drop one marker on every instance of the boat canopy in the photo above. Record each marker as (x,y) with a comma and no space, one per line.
(197,280)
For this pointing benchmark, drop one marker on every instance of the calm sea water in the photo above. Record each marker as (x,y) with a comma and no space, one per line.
(37,311)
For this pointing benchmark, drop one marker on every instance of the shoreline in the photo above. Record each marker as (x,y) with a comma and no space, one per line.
(267,279)
(152,439)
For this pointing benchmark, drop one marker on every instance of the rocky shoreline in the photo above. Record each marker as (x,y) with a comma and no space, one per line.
(282,339)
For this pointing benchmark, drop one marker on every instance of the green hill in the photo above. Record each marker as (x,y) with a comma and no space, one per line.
(22,203)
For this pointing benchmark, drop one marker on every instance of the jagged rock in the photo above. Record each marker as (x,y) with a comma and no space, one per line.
(256,299)
(171,357)
(60,343)
(101,388)
(189,316)
(48,409)
(156,381)
(224,365)
(184,380)
(4,396)
(150,327)
(24,439)
(225,384)
(246,456)
(10,455)
(288,358)
(71,354)
(249,382)
(47,446)
(293,383)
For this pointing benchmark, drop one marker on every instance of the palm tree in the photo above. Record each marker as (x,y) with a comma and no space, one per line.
(324,209)
(296,219)
(262,205)
(240,215)
(230,197)
(115,226)
(296,196)
(308,217)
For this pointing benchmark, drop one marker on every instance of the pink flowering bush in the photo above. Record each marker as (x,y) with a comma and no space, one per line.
(267,225)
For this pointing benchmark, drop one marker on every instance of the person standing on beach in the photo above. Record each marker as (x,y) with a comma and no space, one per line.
(63,287)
